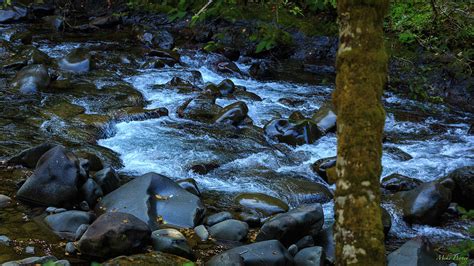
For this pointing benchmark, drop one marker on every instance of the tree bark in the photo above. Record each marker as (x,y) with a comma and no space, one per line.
(361,75)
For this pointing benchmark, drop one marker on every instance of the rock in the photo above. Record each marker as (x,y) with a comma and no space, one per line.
(66,224)
(229,68)
(190,185)
(91,192)
(463,192)
(226,87)
(397,153)
(325,239)
(305,242)
(83,205)
(325,118)
(70,248)
(13,13)
(312,256)
(247,96)
(80,231)
(260,204)
(78,61)
(107,179)
(106,21)
(386,221)
(291,102)
(252,219)
(270,252)
(305,191)
(425,204)
(30,250)
(291,226)
(262,70)
(295,116)
(56,23)
(322,165)
(232,114)
(231,230)
(293,249)
(162,39)
(173,242)
(154,199)
(25,37)
(5,241)
(113,234)
(31,261)
(201,109)
(204,168)
(397,182)
(31,79)
(299,133)
(217,218)
(54,181)
(166,57)
(5,201)
(416,252)
(151,258)
(201,232)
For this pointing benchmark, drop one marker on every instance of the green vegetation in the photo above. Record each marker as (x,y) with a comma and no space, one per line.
(466,247)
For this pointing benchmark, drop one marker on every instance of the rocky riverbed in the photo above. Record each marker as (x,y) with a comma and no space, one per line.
(120,145)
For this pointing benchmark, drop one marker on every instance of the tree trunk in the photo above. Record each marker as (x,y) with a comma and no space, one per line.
(361,75)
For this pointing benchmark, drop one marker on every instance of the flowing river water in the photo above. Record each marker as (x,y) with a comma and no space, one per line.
(433,135)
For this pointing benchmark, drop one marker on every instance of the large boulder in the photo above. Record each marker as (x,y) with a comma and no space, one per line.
(463,192)
(31,79)
(65,224)
(54,181)
(270,252)
(155,199)
(12,14)
(77,61)
(30,157)
(294,133)
(322,166)
(291,226)
(233,114)
(397,182)
(426,203)
(114,234)
(312,256)
(416,252)
(107,179)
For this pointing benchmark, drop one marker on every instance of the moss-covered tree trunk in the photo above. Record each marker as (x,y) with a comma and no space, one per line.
(361,75)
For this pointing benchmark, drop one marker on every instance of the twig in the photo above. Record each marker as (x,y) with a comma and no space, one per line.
(203,8)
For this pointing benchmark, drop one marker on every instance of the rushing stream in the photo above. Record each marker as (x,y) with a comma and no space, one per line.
(434,136)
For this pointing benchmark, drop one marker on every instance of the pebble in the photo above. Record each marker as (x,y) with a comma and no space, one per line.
(201,232)
(30,250)
(70,248)
(4,201)
(4,240)
(293,249)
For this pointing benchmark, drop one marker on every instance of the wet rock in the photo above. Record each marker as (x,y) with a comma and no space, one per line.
(226,87)
(270,252)
(30,250)
(386,221)
(231,54)
(305,242)
(397,153)
(203,109)
(312,256)
(173,242)
(77,61)
(113,234)
(107,179)
(30,157)
(321,166)
(201,232)
(151,258)
(232,114)
(31,261)
(5,201)
(293,249)
(262,70)
(325,118)
(179,84)
(325,239)
(231,230)
(91,192)
(70,248)
(464,186)
(154,199)
(247,96)
(415,252)
(106,21)
(305,191)
(260,204)
(291,226)
(291,102)
(161,39)
(31,79)
(56,23)
(28,55)
(190,185)
(80,231)
(169,58)
(217,218)
(204,168)
(302,132)
(229,68)
(5,241)
(54,181)
(425,204)
(65,224)
(397,182)
(12,13)
(25,37)
(95,162)
(295,116)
